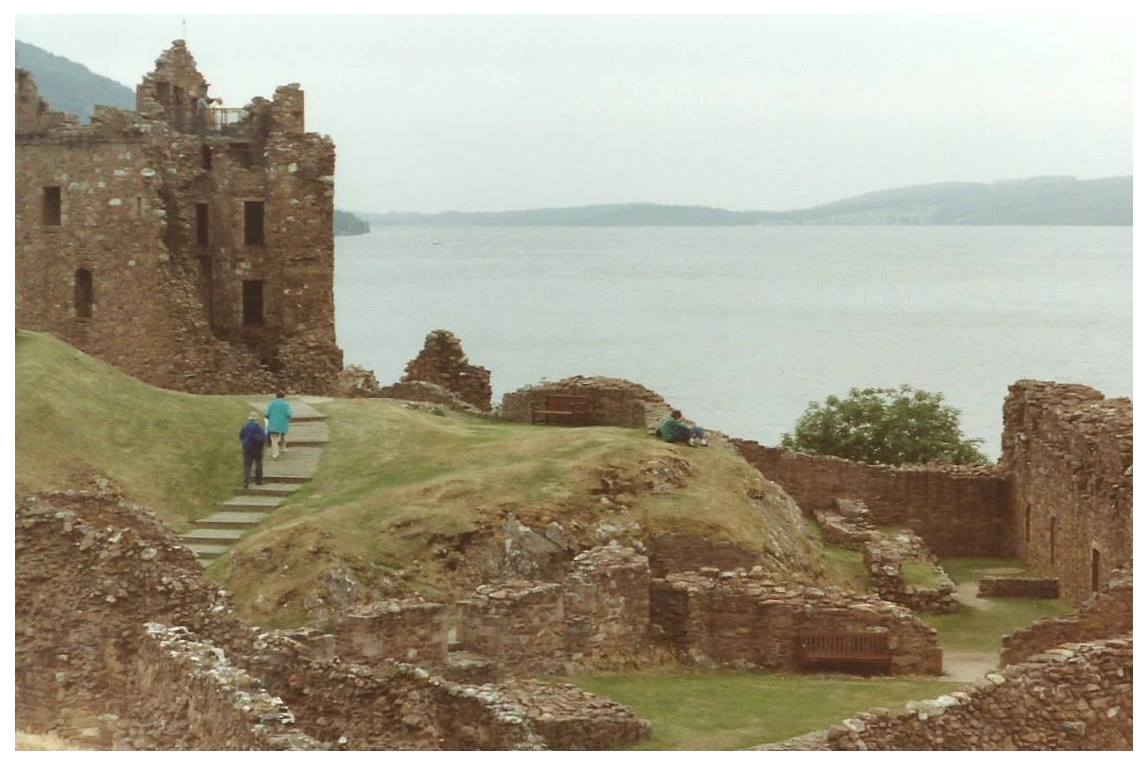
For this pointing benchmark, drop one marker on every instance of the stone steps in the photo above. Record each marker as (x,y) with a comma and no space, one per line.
(214,534)
(232,520)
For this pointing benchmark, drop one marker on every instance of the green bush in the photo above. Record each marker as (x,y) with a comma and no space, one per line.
(891,426)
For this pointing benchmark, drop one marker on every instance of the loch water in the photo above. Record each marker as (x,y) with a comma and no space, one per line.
(741,327)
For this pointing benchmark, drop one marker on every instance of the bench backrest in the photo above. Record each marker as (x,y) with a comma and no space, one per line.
(843,645)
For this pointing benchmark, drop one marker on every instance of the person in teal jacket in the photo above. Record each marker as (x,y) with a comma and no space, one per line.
(278,423)
(674,429)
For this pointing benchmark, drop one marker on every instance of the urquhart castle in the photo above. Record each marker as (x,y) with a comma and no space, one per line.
(191,246)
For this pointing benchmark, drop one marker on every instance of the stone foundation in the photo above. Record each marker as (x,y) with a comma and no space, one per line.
(613,401)
(606,607)
(1108,613)
(408,630)
(888,553)
(519,623)
(740,619)
(1018,587)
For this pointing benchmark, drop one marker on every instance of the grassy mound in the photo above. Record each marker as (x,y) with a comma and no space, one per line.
(423,495)
(77,416)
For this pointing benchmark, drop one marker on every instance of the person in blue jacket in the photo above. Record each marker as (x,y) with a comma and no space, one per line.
(278,423)
(252,437)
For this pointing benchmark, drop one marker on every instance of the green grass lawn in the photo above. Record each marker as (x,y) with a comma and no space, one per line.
(735,710)
(175,453)
(982,622)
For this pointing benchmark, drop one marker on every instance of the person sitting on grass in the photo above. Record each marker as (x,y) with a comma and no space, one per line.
(674,430)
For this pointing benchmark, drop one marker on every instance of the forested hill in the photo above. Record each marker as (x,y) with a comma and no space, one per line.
(71,87)
(1043,201)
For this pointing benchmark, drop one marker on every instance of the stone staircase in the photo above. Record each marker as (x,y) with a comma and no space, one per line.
(213,535)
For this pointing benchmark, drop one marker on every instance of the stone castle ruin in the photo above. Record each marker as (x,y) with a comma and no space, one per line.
(191,248)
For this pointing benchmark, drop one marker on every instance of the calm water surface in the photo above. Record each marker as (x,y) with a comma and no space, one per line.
(741,327)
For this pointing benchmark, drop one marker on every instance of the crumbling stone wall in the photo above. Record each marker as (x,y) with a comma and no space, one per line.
(1068,451)
(154,216)
(957,510)
(202,702)
(410,630)
(606,607)
(519,622)
(1107,613)
(745,619)
(613,401)
(443,362)
(1075,697)
(91,572)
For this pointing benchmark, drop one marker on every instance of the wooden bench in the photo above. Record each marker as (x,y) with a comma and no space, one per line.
(869,650)
(563,410)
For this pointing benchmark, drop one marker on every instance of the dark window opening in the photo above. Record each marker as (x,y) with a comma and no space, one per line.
(1027,523)
(1094,569)
(201,224)
(241,155)
(84,293)
(206,157)
(51,206)
(253,223)
(207,287)
(163,91)
(252,303)
(1051,542)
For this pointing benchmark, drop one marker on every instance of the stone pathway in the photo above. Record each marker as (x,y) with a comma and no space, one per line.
(237,515)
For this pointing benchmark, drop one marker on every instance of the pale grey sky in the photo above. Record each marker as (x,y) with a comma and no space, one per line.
(764,112)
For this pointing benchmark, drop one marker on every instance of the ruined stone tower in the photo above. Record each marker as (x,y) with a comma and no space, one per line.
(192,248)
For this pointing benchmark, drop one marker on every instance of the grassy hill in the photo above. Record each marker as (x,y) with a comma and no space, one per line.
(419,498)
(404,499)
(76,416)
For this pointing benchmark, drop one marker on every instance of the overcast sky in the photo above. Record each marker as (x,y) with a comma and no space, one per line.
(769,112)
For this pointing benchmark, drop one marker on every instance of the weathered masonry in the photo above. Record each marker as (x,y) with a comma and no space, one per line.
(1060,497)
(188,244)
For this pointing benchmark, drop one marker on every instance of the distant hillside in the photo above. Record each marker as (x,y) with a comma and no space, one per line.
(349,224)
(1043,201)
(71,87)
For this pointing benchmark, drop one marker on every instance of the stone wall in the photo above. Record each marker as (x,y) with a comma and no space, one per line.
(606,607)
(1075,697)
(145,261)
(742,619)
(1107,613)
(957,510)
(91,572)
(888,555)
(613,401)
(1018,587)
(409,630)
(520,623)
(443,362)
(1068,450)
(201,702)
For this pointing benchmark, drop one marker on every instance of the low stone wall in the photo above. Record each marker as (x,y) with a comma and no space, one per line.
(1018,587)
(958,510)
(888,553)
(199,701)
(606,607)
(1108,613)
(421,391)
(1075,697)
(409,630)
(567,718)
(613,401)
(520,623)
(740,619)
